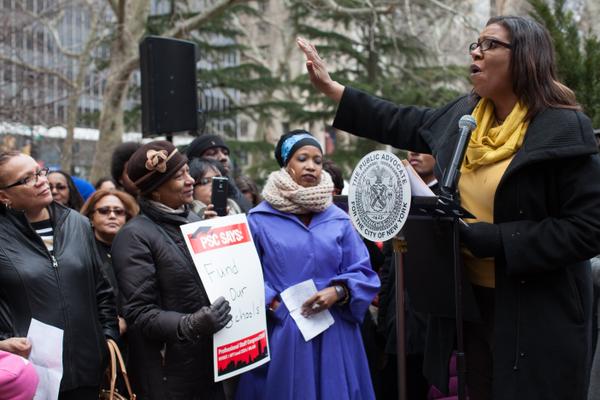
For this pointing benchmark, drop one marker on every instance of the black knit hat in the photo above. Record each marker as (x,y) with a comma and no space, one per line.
(202,143)
(153,164)
(290,142)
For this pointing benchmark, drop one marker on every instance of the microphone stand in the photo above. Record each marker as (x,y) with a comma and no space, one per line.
(448,199)
(400,246)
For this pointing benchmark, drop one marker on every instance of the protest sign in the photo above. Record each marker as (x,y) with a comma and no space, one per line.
(227,262)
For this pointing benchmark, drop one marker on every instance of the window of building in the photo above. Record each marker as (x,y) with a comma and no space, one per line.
(244,128)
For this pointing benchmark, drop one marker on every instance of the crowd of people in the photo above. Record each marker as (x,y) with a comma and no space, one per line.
(110,261)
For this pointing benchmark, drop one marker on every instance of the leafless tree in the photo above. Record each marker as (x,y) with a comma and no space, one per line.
(130,17)
(45,68)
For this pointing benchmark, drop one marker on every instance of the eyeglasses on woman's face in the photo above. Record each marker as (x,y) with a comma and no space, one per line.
(29,180)
(118,211)
(487,44)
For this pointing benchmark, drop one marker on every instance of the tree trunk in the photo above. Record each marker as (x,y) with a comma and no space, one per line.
(123,61)
(66,159)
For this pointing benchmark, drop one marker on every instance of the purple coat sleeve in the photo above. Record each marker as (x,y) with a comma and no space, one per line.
(358,276)
(270,293)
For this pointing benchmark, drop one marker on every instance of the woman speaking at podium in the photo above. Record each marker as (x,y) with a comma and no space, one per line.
(531,175)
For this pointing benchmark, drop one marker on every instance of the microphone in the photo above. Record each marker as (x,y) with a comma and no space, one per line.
(466,124)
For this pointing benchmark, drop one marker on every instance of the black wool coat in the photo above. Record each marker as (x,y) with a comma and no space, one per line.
(65,289)
(158,285)
(547,206)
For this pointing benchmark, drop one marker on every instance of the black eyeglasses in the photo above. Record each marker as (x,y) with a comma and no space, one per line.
(119,212)
(203,181)
(487,44)
(29,180)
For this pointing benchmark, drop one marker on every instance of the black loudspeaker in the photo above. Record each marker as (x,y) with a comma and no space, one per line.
(169,94)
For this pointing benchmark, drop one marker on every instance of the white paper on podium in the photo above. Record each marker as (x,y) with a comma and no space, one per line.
(294,297)
(418,187)
(46,356)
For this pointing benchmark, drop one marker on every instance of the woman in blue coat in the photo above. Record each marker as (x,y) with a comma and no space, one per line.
(300,235)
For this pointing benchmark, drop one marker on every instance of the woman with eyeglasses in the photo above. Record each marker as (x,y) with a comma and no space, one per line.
(49,271)
(162,297)
(108,211)
(64,190)
(531,176)
(203,170)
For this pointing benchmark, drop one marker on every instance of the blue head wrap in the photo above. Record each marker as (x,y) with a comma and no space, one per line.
(290,142)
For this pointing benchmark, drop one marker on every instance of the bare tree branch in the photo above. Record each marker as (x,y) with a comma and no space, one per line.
(333,6)
(185,26)
(38,70)
(451,10)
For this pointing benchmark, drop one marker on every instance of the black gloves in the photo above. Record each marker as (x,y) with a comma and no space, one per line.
(482,239)
(206,320)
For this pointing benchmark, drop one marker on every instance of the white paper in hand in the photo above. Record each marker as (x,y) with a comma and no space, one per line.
(293,298)
(46,356)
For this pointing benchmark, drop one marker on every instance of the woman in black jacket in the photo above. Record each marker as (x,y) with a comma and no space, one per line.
(48,271)
(170,319)
(108,210)
(532,177)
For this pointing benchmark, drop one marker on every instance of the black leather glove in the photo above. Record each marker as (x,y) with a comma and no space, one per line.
(205,321)
(482,239)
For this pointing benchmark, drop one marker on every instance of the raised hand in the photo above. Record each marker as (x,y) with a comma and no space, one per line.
(317,71)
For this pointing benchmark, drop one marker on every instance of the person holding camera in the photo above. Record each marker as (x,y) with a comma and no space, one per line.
(214,147)
(170,319)
(206,198)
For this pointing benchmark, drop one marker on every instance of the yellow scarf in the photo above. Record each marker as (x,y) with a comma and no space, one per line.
(489,143)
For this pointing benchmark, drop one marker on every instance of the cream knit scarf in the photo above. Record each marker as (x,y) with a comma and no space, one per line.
(285,195)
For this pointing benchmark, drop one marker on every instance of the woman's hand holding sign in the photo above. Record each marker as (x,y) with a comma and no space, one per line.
(206,320)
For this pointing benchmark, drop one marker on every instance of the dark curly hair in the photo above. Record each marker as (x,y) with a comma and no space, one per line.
(120,156)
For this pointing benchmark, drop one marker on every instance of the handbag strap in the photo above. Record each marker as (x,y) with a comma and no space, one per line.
(115,355)
(112,371)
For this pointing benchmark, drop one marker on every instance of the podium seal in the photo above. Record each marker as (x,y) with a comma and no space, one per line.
(379,196)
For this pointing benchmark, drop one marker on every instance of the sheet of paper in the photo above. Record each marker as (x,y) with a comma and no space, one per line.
(293,298)
(46,356)
(418,187)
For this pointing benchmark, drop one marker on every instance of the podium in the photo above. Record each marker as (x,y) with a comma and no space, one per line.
(429,268)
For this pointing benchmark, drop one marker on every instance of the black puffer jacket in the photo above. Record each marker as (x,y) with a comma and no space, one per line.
(66,290)
(158,285)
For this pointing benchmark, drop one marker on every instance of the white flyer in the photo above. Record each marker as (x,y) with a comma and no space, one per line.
(46,356)
(294,297)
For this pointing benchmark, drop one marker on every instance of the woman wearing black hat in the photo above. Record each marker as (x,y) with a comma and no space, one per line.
(170,320)
(213,147)
(300,235)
